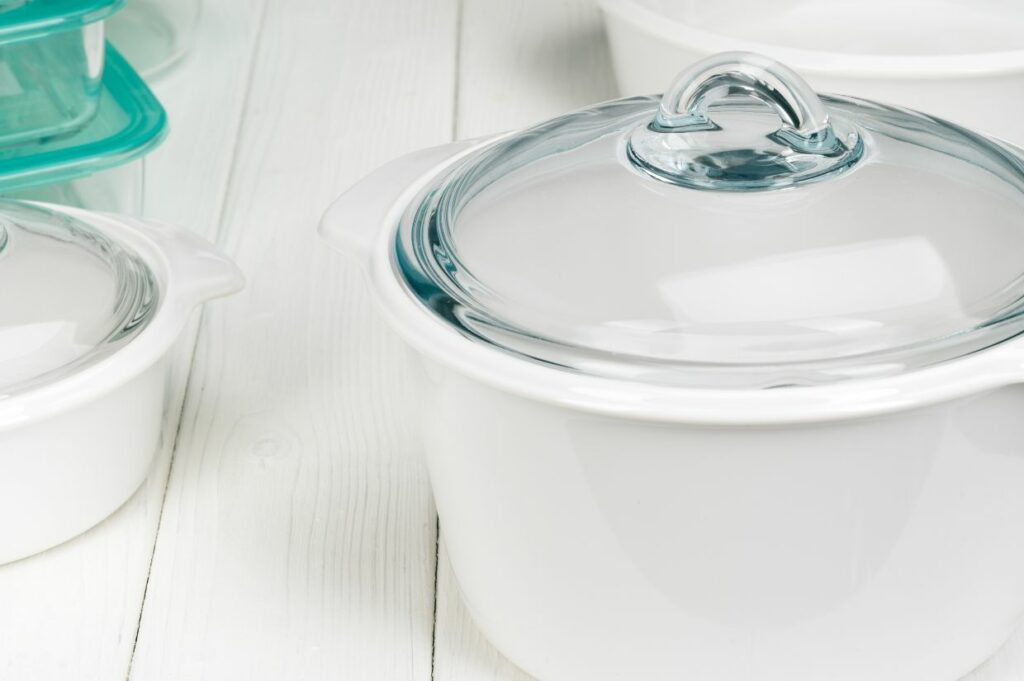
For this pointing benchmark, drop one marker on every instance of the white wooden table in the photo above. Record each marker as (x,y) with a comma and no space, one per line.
(287,531)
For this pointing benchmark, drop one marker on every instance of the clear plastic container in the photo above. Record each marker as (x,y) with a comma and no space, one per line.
(154,34)
(93,307)
(100,167)
(51,66)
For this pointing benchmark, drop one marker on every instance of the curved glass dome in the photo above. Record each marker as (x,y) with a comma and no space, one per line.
(741,234)
(72,296)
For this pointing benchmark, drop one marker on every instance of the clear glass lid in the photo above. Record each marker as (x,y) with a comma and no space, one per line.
(743,232)
(74,296)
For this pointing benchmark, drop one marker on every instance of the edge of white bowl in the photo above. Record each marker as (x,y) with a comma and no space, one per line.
(888,67)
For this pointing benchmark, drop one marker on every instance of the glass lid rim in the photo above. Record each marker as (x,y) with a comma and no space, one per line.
(1001,327)
(971,341)
(120,331)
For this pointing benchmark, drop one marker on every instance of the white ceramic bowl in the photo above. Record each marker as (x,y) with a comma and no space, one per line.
(77,441)
(607,526)
(963,61)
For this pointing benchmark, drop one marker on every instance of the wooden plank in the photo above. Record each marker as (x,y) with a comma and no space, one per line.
(298,536)
(524,61)
(73,612)
(520,63)
(204,95)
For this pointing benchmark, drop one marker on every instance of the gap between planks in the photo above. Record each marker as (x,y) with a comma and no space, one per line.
(215,238)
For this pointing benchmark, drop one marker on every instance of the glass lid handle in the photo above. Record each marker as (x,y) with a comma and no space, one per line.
(684,144)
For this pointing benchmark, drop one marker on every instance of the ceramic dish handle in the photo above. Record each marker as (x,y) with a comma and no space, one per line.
(675,146)
(200,272)
(354,220)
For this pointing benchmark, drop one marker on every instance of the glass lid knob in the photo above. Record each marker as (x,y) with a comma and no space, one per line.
(705,136)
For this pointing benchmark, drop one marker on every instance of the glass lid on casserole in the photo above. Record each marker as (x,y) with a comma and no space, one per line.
(72,296)
(741,233)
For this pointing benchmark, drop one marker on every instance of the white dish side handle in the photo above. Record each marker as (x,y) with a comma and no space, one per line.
(198,270)
(354,220)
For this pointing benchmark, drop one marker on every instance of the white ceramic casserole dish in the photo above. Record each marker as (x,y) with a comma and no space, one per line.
(963,61)
(712,396)
(93,306)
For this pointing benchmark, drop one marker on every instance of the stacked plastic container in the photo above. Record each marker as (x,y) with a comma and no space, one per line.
(75,118)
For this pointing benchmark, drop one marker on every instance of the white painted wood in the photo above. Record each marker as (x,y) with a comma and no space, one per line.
(521,62)
(204,95)
(524,61)
(72,612)
(298,535)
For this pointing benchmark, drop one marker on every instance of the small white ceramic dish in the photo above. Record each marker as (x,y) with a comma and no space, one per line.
(963,61)
(723,388)
(92,308)
(51,66)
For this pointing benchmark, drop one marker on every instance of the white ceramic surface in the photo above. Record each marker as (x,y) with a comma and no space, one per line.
(74,449)
(603,529)
(959,61)
(596,548)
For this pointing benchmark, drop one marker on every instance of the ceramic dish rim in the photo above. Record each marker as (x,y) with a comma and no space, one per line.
(820,62)
(179,292)
(993,367)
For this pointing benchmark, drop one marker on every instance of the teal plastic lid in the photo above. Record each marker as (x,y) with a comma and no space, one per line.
(129,123)
(24,19)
